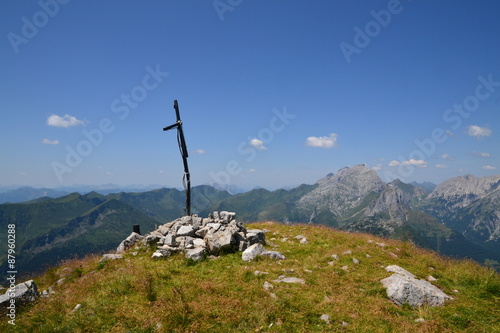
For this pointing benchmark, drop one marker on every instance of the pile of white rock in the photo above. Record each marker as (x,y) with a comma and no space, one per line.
(197,237)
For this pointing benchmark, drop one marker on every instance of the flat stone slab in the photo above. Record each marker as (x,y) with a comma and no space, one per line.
(290,280)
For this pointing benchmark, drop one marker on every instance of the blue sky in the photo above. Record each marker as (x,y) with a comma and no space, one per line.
(271,93)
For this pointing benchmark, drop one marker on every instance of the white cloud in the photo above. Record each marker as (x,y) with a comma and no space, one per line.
(329,141)
(411,161)
(450,133)
(447,157)
(478,132)
(377,167)
(441,166)
(489,167)
(251,170)
(64,121)
(258,144)
(50,142)
(475,153)
(199,151)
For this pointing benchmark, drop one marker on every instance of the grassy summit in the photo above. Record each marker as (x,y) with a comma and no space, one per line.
(139,294)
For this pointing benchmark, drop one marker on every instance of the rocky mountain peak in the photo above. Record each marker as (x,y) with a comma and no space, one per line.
(344,190)
(464,190)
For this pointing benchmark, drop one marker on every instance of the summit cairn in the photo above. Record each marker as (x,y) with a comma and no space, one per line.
(198,237)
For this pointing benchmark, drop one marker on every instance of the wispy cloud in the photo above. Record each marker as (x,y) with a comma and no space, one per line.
(64,121)
(199,151)
(418,163)
(478,132)
(50,142)
(489,167)
(377,167)
(441,166)
(447,157)
(251,170)
(258,144)
(475,153)
(329,141)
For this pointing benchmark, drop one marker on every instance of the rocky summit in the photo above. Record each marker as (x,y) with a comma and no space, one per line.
(198,237)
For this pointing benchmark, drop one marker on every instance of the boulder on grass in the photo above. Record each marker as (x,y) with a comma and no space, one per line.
(403,288)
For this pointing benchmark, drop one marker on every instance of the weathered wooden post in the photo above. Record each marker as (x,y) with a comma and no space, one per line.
(184,153)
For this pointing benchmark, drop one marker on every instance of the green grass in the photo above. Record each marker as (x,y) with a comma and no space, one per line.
(138,294)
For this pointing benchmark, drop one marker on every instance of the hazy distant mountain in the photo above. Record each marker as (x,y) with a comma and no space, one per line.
(108,188)
(27,193)
(427,186)
(230,188)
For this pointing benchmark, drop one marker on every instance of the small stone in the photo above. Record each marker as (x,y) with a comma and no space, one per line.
(77,307)
(334,256)
(431,278)
(110,256)
(186,230)
(303,241)
(345,323)
(325,318)
(355,261)
(273,255)
(252,252)
(392,254)
(347,252)
(381,244)
(345,268)
(267,286)
(420,320)
(290,280)
(368,256)
(196,254)
(160,253)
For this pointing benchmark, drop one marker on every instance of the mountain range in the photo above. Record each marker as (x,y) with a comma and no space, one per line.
(459,217)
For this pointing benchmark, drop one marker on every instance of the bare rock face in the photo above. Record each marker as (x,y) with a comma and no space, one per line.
(341,192)
(462,191)
(402,287)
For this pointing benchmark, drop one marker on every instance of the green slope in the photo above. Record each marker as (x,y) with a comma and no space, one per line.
(68,227)
(138,294)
